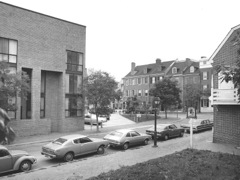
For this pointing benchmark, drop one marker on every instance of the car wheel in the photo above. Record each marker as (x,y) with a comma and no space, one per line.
(181,134)
(25,166)
(125,146)
(68,157)
(100,150)
(166,137)
(146,142)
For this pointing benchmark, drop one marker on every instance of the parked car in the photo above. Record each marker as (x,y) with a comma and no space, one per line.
(15,160)
(198,125)
(126,138)
(107,116)
(166,131)
(70,146)
(91,119)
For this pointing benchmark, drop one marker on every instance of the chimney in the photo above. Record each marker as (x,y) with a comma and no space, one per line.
(158,64)
(133,67)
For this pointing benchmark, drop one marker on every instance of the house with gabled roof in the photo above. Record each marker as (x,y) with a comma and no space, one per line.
(225,98)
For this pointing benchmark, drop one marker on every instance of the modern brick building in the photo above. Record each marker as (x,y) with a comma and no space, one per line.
(52,52)
(225,99)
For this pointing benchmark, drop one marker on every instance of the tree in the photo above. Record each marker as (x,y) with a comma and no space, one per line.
(168,92)
(100,91)
(118,95)
(232,72)
(11,86)
(192,95)
(132,104)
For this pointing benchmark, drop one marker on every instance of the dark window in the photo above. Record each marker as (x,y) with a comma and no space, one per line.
(134,133)
(74,61)
(43,94)
(85,140)
(8,50)
(3,153)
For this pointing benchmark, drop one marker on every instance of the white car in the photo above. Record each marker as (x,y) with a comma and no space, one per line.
(91,119)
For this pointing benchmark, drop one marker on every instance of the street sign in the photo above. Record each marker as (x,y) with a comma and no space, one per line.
(191,112)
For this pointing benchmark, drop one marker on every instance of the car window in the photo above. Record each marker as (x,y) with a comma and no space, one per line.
(60,141)
(203,122)
(172,127)
(3,153)
(134,133)
(166,128)
(85,140)
(128,135)
(115,133)
(76,141)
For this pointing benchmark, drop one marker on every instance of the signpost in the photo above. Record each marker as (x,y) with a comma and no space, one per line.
(191,113)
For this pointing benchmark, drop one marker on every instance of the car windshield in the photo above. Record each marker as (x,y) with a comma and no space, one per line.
(161,127)
(60,141)
(116,133)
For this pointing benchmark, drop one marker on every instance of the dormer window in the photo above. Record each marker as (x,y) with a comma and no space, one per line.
(192,69)
(174,70)
(145,71)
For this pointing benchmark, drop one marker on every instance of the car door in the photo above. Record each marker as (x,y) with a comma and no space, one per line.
(77,146)
(208,124)
(87,145)
(171,131)
(174,129)
(6,162)
(136,137)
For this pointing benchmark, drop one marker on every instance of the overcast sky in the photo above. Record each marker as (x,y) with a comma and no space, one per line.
(123,31)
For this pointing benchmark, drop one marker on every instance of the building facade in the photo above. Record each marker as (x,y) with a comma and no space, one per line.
(52,52)
(142,78)
(225,98)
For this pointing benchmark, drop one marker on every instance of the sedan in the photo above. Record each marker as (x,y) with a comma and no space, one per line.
(15,160)
(70,146)
(198,125)
(126,137)
(91,119)
(166,131)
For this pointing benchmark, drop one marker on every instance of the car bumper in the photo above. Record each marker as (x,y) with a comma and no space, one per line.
(49,155)
(152,134)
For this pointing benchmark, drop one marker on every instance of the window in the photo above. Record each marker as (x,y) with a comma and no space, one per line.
(174,70)
(74,61)
(126,82)
(146,80)
(204,103)
(146,92)
(139,92)
(4,153)
(192,69)
(126,92)
(205,75)
(205,87)
(8,50)
(43,94)
(153,80)
(139,81)
(195,80)
(74,83)
(186,80)
(85,140)
(134,133)
(132,92)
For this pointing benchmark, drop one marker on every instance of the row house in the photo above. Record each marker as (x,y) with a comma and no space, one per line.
(225,98)
(142,78)
(52,52)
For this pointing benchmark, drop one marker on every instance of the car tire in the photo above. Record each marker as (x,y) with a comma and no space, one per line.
(146,142)
(68,157)
(100,150)
(166,137)
(181,134)
(125,146)
(25,166)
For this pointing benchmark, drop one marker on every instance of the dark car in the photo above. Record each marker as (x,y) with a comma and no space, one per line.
(198,125)
(166,131)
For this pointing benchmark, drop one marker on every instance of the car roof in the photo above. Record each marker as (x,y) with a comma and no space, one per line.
(2,147)
(124,130)
(73,136)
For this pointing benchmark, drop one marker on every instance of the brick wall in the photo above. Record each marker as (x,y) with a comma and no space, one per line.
(226,117)
(42,44)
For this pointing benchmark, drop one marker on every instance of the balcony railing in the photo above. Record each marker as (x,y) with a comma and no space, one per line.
(225,97)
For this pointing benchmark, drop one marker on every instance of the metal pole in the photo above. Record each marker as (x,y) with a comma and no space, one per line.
(155,129)
(191,133)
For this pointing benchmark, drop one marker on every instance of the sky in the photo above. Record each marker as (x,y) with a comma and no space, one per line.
(119,32)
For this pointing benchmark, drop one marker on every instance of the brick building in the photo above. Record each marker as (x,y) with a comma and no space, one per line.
(225,99)
(52,52)
(142,78)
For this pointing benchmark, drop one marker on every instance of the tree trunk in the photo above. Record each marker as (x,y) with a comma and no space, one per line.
(165,113)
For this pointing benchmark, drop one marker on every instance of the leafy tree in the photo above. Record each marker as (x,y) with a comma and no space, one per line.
(100,91)
(232,73)
(12,85)
(168,92)
(132,104)
(118,95)
(192,95)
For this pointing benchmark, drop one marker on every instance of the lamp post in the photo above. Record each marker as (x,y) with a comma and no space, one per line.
(156,102)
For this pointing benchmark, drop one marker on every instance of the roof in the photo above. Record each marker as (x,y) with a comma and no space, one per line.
(124,130)
(73,136)
(153,69)
(223,42)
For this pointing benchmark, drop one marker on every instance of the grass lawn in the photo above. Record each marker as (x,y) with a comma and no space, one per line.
(185,165)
